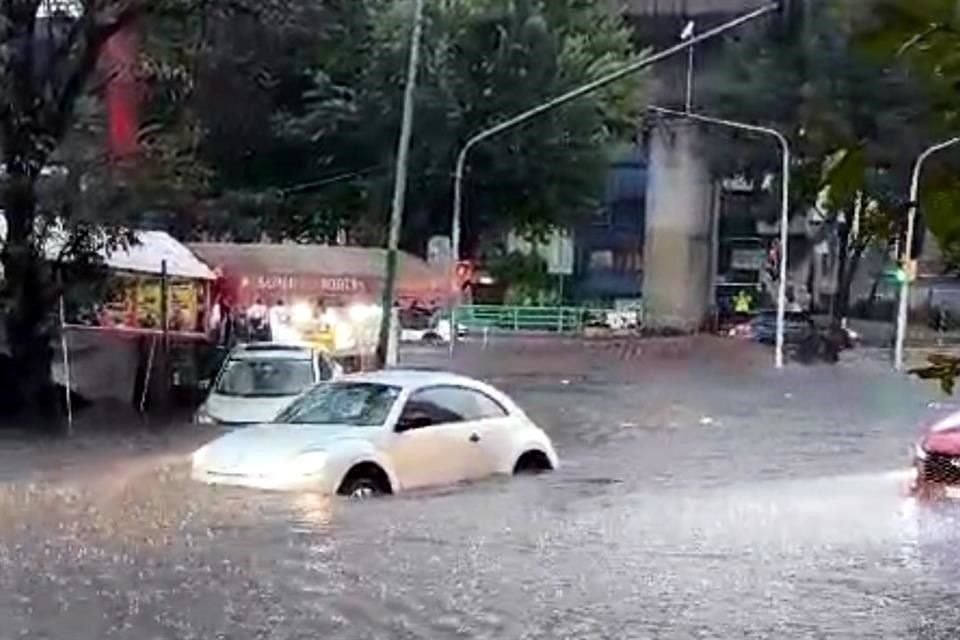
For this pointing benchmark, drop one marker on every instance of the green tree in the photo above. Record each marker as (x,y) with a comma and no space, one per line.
(924,35)
(484,60)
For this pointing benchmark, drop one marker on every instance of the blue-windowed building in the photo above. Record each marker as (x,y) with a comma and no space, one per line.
(609,247)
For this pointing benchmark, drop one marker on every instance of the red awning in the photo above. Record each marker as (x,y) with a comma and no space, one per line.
(292,271)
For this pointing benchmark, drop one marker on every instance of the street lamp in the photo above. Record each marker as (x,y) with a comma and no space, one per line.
(907,256)
(784,209)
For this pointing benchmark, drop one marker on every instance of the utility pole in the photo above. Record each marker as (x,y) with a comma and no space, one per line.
(400,187)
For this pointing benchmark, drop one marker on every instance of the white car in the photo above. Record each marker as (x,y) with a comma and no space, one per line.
(380,433)
(421,326)
(259,380)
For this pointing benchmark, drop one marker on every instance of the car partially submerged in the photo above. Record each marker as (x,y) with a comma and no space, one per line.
(258,380)
(380,433)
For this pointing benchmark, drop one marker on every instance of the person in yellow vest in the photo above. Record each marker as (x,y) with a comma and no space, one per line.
(743,302)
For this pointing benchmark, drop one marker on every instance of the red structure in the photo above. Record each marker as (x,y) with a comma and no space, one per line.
(122,95)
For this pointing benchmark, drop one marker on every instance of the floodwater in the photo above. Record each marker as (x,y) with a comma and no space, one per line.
(702,496)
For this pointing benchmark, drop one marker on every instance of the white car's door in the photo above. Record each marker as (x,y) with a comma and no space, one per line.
(433,444)
(494,432)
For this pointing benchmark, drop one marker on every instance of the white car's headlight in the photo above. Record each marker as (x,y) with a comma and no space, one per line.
(200,455)
(310,463)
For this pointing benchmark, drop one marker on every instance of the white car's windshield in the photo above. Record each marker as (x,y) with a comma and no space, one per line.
(254,378)
(356,404)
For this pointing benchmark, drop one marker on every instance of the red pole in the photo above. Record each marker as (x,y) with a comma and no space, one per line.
(122,94)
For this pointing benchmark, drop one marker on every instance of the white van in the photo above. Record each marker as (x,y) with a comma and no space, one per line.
(259,380)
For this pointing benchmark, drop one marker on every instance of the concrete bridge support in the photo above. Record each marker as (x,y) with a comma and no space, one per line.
(678,251)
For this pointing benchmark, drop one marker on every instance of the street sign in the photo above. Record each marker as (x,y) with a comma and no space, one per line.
(560,254)
(748,259)
(439,250)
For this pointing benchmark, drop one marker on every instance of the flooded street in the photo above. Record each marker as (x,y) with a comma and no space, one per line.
(703,495)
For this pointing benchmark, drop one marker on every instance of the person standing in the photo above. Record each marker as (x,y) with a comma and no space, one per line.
(743,303)
(257,321)
(277,319)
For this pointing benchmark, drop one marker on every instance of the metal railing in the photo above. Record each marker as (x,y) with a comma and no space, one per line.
(529,319)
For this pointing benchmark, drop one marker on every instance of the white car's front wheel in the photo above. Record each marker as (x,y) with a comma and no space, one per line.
(532,462)
(365,481)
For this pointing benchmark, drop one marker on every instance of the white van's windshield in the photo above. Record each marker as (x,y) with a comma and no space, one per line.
(263,378)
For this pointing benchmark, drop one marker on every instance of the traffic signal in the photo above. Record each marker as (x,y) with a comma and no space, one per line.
(906,272)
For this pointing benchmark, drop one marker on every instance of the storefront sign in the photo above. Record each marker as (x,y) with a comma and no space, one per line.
(307,284)
(748,259)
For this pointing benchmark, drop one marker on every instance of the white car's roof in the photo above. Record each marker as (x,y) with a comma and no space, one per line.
(414,378)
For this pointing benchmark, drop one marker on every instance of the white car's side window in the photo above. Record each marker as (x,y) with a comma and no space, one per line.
(447,405)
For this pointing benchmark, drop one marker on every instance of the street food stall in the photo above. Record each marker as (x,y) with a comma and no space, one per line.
(115,333)
(324,296)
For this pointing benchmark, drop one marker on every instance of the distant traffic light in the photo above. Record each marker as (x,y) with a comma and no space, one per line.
(904,273)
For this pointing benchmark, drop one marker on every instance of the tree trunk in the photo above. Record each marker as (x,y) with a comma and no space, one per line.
(839,307)
(847,273)
(27,293)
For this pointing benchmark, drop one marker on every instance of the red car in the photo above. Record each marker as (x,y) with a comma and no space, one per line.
(937,459)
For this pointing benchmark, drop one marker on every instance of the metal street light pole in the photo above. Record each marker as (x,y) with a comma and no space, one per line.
(688,32)
(907,253)
(784,209)
(400,186)
(570,96)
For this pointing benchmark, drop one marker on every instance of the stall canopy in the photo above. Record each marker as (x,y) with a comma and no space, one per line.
(131,302)
(147,256)
(288,272)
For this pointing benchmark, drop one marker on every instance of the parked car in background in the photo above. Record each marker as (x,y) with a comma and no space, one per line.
(420,325)
(379,433)
(762,327)
(258,380)
(805,340)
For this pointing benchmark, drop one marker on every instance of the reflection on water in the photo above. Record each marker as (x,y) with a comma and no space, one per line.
(536,558)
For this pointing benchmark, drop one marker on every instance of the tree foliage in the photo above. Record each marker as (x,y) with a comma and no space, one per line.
(924,37)
(483,61)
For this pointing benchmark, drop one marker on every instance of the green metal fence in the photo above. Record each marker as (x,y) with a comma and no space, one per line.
(541,319)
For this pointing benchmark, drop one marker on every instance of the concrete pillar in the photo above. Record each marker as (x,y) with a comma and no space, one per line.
(677,251)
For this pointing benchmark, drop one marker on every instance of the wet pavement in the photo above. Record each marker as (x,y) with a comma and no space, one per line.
(703,495)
